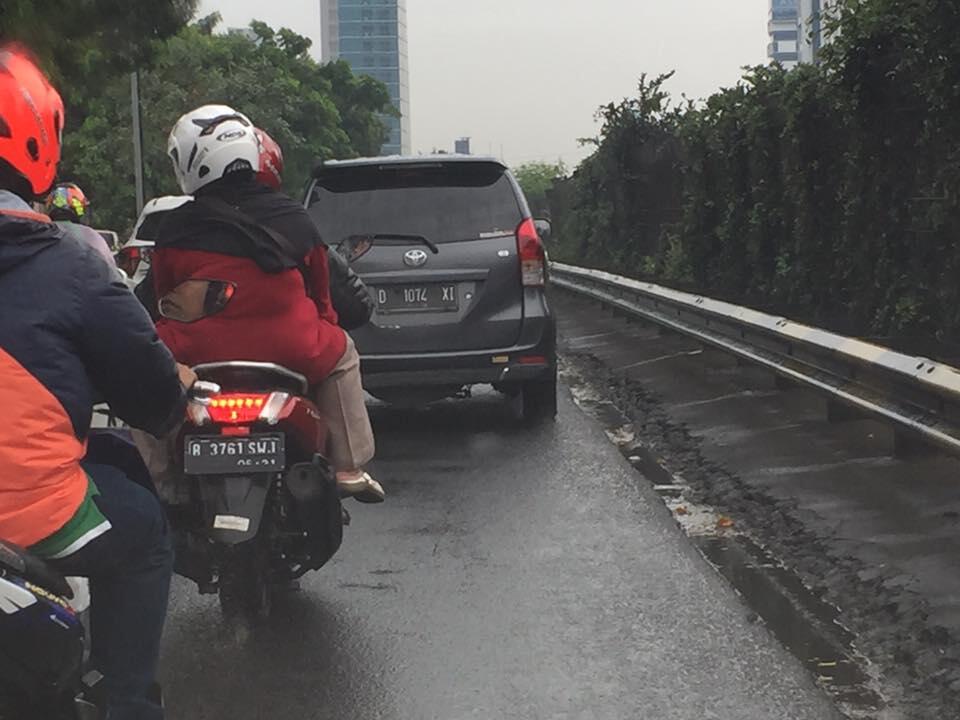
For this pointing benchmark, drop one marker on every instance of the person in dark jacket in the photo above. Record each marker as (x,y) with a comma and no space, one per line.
(68,207)
(71,335)
(247,233)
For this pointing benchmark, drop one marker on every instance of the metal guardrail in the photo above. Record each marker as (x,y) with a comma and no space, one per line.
(920,397)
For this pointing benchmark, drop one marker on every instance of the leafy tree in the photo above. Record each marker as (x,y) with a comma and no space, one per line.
(831,191)
(537,179)
(310,110)
(354,96)
(73,38)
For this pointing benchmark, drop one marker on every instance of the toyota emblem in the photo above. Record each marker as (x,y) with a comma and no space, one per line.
(414,258)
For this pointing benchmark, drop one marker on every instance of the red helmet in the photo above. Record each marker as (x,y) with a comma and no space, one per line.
(271,161)
(31,120)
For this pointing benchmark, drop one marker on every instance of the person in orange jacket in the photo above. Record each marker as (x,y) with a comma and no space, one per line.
(72,335)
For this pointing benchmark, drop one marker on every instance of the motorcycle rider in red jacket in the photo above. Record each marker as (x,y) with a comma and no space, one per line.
(280,311)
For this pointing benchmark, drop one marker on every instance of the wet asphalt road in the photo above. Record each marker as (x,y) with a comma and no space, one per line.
(867,537)
(512,574)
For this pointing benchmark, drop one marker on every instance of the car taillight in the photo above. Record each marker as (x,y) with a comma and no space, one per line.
(532,360)
(531,253)
(244,408)
(129,258)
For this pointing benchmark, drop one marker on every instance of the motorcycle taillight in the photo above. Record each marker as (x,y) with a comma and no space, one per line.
(240,409)
(236,409)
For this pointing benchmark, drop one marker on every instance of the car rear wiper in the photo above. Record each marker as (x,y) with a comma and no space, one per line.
(410,239)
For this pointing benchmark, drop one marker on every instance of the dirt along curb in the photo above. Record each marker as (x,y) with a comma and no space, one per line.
(863,635)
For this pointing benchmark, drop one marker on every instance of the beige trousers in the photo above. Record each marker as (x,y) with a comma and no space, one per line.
(340,400)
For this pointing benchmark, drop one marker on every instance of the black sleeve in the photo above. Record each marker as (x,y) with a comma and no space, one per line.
(147,295)
(349,295)
(129,366)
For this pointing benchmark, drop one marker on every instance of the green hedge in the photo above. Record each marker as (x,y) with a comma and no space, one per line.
(831,192)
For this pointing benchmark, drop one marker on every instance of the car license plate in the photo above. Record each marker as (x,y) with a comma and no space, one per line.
(224,455)
(427,296)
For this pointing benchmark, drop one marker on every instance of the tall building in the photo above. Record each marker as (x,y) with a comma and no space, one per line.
(371,35)
(461,146)
(784,29)
(813,36)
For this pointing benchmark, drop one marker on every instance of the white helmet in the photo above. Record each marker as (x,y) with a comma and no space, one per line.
(210,142)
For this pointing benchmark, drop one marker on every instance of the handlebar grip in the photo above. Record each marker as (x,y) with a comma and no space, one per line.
(201,391)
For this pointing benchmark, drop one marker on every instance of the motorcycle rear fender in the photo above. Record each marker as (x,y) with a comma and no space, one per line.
(233,506)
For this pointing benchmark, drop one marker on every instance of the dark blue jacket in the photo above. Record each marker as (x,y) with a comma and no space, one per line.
(71,335)
(71,322)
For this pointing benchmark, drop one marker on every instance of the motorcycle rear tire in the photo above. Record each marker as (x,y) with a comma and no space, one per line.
(245,588)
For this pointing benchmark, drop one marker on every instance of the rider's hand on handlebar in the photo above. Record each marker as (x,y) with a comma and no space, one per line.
(187,376)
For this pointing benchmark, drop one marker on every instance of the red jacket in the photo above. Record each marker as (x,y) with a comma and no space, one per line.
(270,318)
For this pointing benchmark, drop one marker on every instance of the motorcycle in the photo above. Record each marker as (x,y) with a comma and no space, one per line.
(43,638)
(258,504)
(44,643)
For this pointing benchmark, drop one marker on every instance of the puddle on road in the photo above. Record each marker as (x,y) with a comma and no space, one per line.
(803,623)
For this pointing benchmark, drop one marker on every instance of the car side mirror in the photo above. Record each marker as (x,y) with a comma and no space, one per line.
(194,300)
(544,228)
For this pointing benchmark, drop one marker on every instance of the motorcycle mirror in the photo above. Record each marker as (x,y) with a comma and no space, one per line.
(194,300)
(354,247)
(111,239)
(544,228)
(129,258)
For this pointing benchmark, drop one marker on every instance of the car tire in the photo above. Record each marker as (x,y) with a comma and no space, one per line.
(539,398)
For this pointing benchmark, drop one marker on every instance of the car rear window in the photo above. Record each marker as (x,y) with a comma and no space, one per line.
(444,202)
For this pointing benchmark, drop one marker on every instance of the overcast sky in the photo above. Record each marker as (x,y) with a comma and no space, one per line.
(525,77)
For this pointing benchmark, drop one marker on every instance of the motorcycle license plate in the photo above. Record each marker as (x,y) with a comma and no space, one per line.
(225,455)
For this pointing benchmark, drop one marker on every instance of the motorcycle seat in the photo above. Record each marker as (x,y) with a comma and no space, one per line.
(17,561)
(252,376)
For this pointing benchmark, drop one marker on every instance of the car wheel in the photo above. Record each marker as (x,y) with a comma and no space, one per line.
(539,399)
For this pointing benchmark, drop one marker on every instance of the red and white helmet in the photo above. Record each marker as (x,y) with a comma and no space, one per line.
(210,142)
(31,120)
(270,172)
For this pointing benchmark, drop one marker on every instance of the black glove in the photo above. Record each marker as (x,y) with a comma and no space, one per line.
(351,300)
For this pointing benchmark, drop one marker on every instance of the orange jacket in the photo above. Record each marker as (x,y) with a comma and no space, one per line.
(42,483)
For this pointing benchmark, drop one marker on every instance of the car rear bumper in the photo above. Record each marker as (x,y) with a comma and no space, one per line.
(454,377)
(500,366)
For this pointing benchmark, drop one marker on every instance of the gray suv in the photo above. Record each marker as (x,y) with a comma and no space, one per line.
(456,264)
